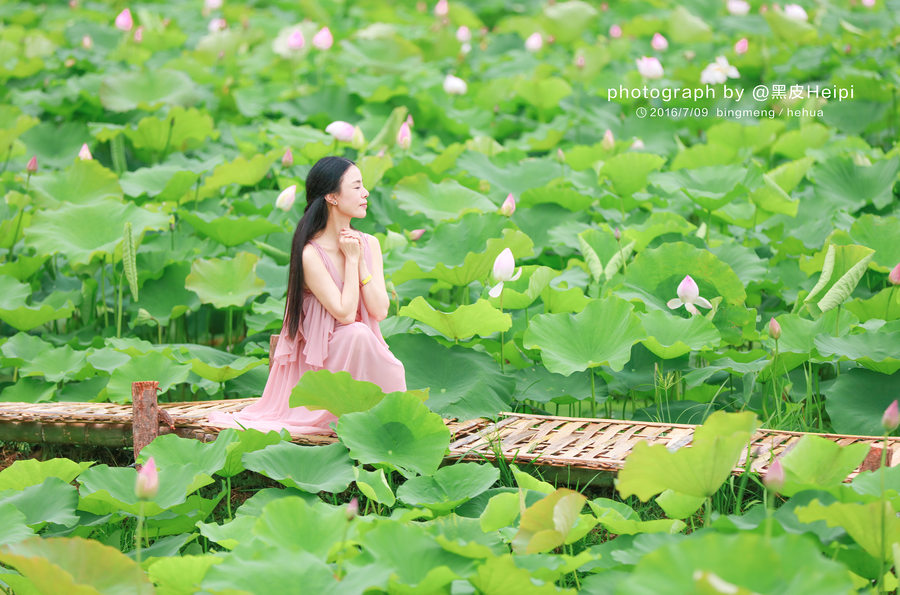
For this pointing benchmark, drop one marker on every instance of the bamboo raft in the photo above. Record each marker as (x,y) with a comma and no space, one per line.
(573,449)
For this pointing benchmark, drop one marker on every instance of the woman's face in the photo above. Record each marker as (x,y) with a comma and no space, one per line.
(352,199)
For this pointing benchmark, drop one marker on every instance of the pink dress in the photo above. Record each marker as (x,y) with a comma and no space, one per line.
(357,348)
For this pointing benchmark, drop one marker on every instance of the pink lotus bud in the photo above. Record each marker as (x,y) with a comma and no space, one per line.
(85,153)
(343,131)
(774,329)
(795,11)
(31,167)
(124,20)
(295,40)
(534,42)
(454,85)
(287,159)
(404,138)
(650,68)
(774,478)
(409,120)
(894,277)
(738,7)
(617,234)
(86,42)
(217,25)
(868,3)
(73,4)
(286,199)
(352,509)
(659,43)
(615,31)
(212,4)
(359,139)
(741,46)
(891,418)
(579,62)
(688,296)
(509,206)
(323,39)
(763,9)
(147,484)
(416,234)
(638,144)
(463,34)
(139,34)
(604,6)
(442,8)
(550,39)
(69,63)
(609,142)
(504,266)
(560,156)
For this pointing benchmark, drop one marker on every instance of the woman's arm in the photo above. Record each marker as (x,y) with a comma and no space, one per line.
(374,293)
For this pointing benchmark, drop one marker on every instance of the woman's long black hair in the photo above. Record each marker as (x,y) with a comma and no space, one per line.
(324,178)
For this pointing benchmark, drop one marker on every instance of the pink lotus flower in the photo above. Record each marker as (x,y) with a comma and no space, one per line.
(738,7)
(868,3)
(212,4)
(416,234)
(31,166)
(124,20)
(609,142)
(894,277)
(650,68)
(718,72)
(638,144)
(795,11)
(216,25)
(147,484)
(404,138)
(86,42)
(343,131)
(295,40)
(504,266)
(455,85)
(534,42)
(615,31)
(741,46)
(85,153)
(139,34)
(463,34)
(323,39)
(891,418)
(442,8)
(774,478)
(689,297)
(659,43)
(409,120)
(287,159)
(285,200)
(617,234)
(352,509)
(774,329)
(509,206)
(579,62)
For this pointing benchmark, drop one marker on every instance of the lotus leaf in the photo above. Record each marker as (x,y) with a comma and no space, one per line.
(152,366)
(52,501)
(546,524)
(336,392)
(163,182)
(228,230)
(670,336)
(148,90)
(449,486)
(55,365)
(83,183)
(308,468)
(225,283)
(374,485)
(211,363)
(179,130)
(107,489)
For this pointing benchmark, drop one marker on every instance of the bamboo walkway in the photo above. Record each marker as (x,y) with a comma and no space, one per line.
(559,445)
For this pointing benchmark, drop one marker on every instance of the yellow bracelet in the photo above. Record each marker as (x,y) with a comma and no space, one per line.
(366,280)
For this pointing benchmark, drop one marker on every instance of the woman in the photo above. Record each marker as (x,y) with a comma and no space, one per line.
(336,296)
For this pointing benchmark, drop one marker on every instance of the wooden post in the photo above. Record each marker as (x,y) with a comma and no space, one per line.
(273,343)
(873,459)
(145,414)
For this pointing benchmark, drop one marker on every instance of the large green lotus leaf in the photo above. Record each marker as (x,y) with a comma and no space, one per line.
(164,182)
(677,505)
(601,334)
(559,192)
(710,187)
(239,442)
(13,123)
(374,485)
(842,269)
(141,368)
(742,564)
(543,93)
(53,501)
(12,525)
(882,234)
(844,183)
(547,523)
(225,283)
(655,225)
(166,298)
(55,365)
(254,505)
(704,155)
(619,522)
(566,21)
(28,390)
(105,489)
(798,338)
(308,468)
(240,171)
(439,202)
(696,471)
(672,336)
(21,347)
(229,230)
(449,486)
(539,220)
(463,383)
(857,400)
(523,292)
(627,172)
(774,195)
(75,565)
(463,536)
(757,136)
(749,267)
(685,27)
(84,231)
(55,146)
(877,351)
(335,392)
(865,523)
(466,321)
(179,574)
(794,143)
(171,449)
(147,90)
(294,525)
(400,431)
(25,266)
(817,463)
(29,472)
(459,252)
(211,363)
(22,317)
(507,176)
(501,576)
(179,130)
(791,29)
(885,305)
(229,535)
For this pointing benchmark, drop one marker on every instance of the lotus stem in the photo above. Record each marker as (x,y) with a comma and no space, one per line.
(227,487)
(883,471)
(168,140)
(140,529)
(8,155)
(593,395)
(103,290)
(119,306)
(708,224)
(502,367)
